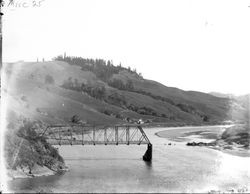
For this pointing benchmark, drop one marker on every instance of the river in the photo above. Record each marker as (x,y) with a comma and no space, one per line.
(174,168)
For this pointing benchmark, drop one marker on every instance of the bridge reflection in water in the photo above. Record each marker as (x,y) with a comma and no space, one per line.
(96,135)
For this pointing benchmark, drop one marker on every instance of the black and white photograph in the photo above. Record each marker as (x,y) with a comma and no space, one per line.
(125,96)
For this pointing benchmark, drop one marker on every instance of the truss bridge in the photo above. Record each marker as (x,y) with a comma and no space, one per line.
(94,135)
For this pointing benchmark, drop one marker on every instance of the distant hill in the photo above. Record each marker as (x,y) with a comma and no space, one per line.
(239,105)
(222,95)
(99,92)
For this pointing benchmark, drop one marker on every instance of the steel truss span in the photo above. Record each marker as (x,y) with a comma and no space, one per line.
(94,135)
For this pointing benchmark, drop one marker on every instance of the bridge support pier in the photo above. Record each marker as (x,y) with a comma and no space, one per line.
(148,154)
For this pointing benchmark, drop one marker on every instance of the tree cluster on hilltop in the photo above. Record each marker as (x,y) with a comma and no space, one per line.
(101,68)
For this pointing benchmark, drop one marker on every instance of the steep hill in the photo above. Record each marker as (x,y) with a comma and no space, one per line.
(100,93)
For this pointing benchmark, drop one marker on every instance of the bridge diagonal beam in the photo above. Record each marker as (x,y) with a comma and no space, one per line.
(110,135)
(141,139)
(133,135)
(122,135)
(91,139)
(143,133)
(99,135)
(68,136)
(53,134)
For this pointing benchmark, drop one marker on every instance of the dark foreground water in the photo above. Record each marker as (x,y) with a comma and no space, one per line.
(175,168)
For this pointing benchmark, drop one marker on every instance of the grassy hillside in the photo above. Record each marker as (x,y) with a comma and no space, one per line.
(213,107)
(101,93)
(30,95)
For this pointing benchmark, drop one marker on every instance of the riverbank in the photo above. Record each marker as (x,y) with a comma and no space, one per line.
(27,154)
(23,173)
(181,124)
(235,140)
(37,171)
(230,139)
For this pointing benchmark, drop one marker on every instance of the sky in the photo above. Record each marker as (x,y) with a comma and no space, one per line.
(192,45)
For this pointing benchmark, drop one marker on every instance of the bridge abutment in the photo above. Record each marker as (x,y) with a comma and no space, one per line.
(148,154)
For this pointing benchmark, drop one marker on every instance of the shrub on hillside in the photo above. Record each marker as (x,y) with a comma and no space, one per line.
(117,100)
(49,79)
(117,83)
(75,119)
(24,98)
(97,92)
(25,148)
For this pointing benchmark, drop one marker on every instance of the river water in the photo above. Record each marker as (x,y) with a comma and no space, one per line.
(174,168)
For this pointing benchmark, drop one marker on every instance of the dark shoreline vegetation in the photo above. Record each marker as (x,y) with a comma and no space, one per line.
(27,151)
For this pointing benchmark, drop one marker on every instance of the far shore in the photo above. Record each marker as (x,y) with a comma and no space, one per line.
(184,134)
(177,125)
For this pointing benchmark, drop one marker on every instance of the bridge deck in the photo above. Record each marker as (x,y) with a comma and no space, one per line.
(79,142)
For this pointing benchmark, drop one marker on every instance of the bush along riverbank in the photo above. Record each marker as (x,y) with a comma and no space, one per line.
(234,140)
(28,154)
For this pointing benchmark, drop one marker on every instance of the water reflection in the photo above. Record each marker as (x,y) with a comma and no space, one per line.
(148,164)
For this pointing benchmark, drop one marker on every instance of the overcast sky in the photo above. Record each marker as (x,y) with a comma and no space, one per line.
(192,45)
